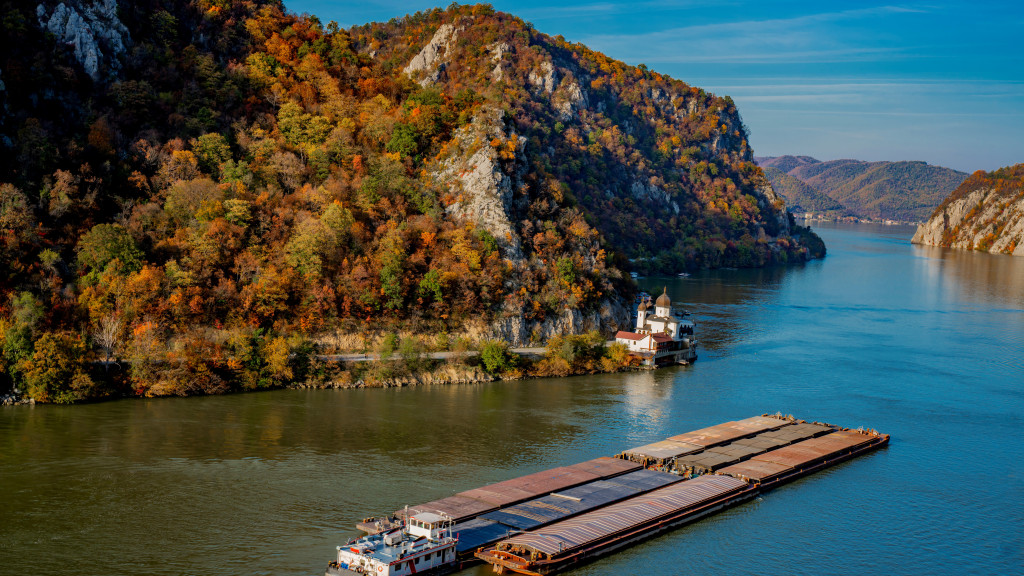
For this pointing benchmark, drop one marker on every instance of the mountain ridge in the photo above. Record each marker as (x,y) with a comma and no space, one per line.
(885,190)
(246,186)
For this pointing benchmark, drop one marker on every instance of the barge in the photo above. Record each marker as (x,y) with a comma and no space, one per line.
(555,519)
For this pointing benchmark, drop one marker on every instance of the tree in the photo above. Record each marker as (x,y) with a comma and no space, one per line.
(109,245)
(107,334)
(388,346)
(211,151)
(411,351)
(56,371)
(497,357)
(403,140)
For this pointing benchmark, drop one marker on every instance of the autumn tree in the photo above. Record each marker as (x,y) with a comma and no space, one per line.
(56,370)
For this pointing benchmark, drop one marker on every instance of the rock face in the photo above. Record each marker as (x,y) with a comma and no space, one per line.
(429,63)
(985,213)
(486,184)
(611,315)
(92,29)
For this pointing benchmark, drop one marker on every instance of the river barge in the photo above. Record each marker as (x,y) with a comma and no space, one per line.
(555,519)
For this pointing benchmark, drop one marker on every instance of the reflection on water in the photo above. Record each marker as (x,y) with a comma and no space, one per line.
(979,277)
(926,345)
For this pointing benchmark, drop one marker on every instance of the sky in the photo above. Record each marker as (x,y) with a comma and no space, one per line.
(939,81)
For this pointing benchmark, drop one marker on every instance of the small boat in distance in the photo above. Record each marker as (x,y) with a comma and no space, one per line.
(423,545)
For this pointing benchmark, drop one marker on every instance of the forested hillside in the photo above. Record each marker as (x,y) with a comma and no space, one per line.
(801,197)
(903,191)
(203,189)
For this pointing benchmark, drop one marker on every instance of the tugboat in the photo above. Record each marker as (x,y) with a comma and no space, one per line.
(424,545)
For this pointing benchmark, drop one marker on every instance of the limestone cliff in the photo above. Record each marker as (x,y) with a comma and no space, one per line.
(985,213)
(92,30)
(609,316)
(485,186)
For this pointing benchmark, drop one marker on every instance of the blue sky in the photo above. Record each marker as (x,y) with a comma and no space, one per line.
(938,81)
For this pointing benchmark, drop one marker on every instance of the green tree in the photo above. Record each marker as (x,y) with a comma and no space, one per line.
(17,334)
(109,245)
(388,346)
(411,351)
(403,140)
(211,150)
(497,357)
(430,286)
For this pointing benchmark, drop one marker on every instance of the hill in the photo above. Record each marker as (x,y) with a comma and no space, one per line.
(206,189)
(902,191)
(785,163)
(801,197)
(986,212)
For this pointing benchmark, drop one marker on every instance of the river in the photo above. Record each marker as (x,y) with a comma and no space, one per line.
(922,343)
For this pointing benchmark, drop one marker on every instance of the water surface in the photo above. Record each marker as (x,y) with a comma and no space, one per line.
(926,344)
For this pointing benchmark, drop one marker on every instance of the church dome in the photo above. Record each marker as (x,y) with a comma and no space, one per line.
(664,301)
(643,306)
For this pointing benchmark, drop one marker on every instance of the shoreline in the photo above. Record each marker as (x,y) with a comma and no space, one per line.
(355,371)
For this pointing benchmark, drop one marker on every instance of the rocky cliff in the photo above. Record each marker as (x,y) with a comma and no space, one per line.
(985,213)
(91,30)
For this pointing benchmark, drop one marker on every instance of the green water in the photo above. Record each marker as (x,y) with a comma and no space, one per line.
(924,344)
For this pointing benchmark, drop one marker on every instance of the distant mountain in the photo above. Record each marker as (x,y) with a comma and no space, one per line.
(985,213)
(906,191)
(785,163)
(801,197)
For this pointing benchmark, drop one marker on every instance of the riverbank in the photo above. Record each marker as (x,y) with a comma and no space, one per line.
(398,362)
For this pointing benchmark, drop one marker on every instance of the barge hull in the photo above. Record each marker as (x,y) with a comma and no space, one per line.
(522,563)
(618,541)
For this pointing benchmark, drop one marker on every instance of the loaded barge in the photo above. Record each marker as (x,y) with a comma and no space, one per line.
(559,518)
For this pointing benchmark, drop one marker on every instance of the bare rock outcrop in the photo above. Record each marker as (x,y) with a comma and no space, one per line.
(92,29)
(770,202)
(984,219)
(484,183)
(544,79)
(430,62)
(609,316)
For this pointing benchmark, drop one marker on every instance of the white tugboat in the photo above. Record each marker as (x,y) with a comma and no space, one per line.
(424,545)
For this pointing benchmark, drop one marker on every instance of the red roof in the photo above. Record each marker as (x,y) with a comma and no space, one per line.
(662,338)
(629,335)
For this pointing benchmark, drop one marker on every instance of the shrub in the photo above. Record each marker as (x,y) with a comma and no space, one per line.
(497,357)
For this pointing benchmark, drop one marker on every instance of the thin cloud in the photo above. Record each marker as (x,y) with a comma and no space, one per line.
(809,38)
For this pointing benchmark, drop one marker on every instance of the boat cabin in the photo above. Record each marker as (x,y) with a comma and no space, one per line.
(427,524)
